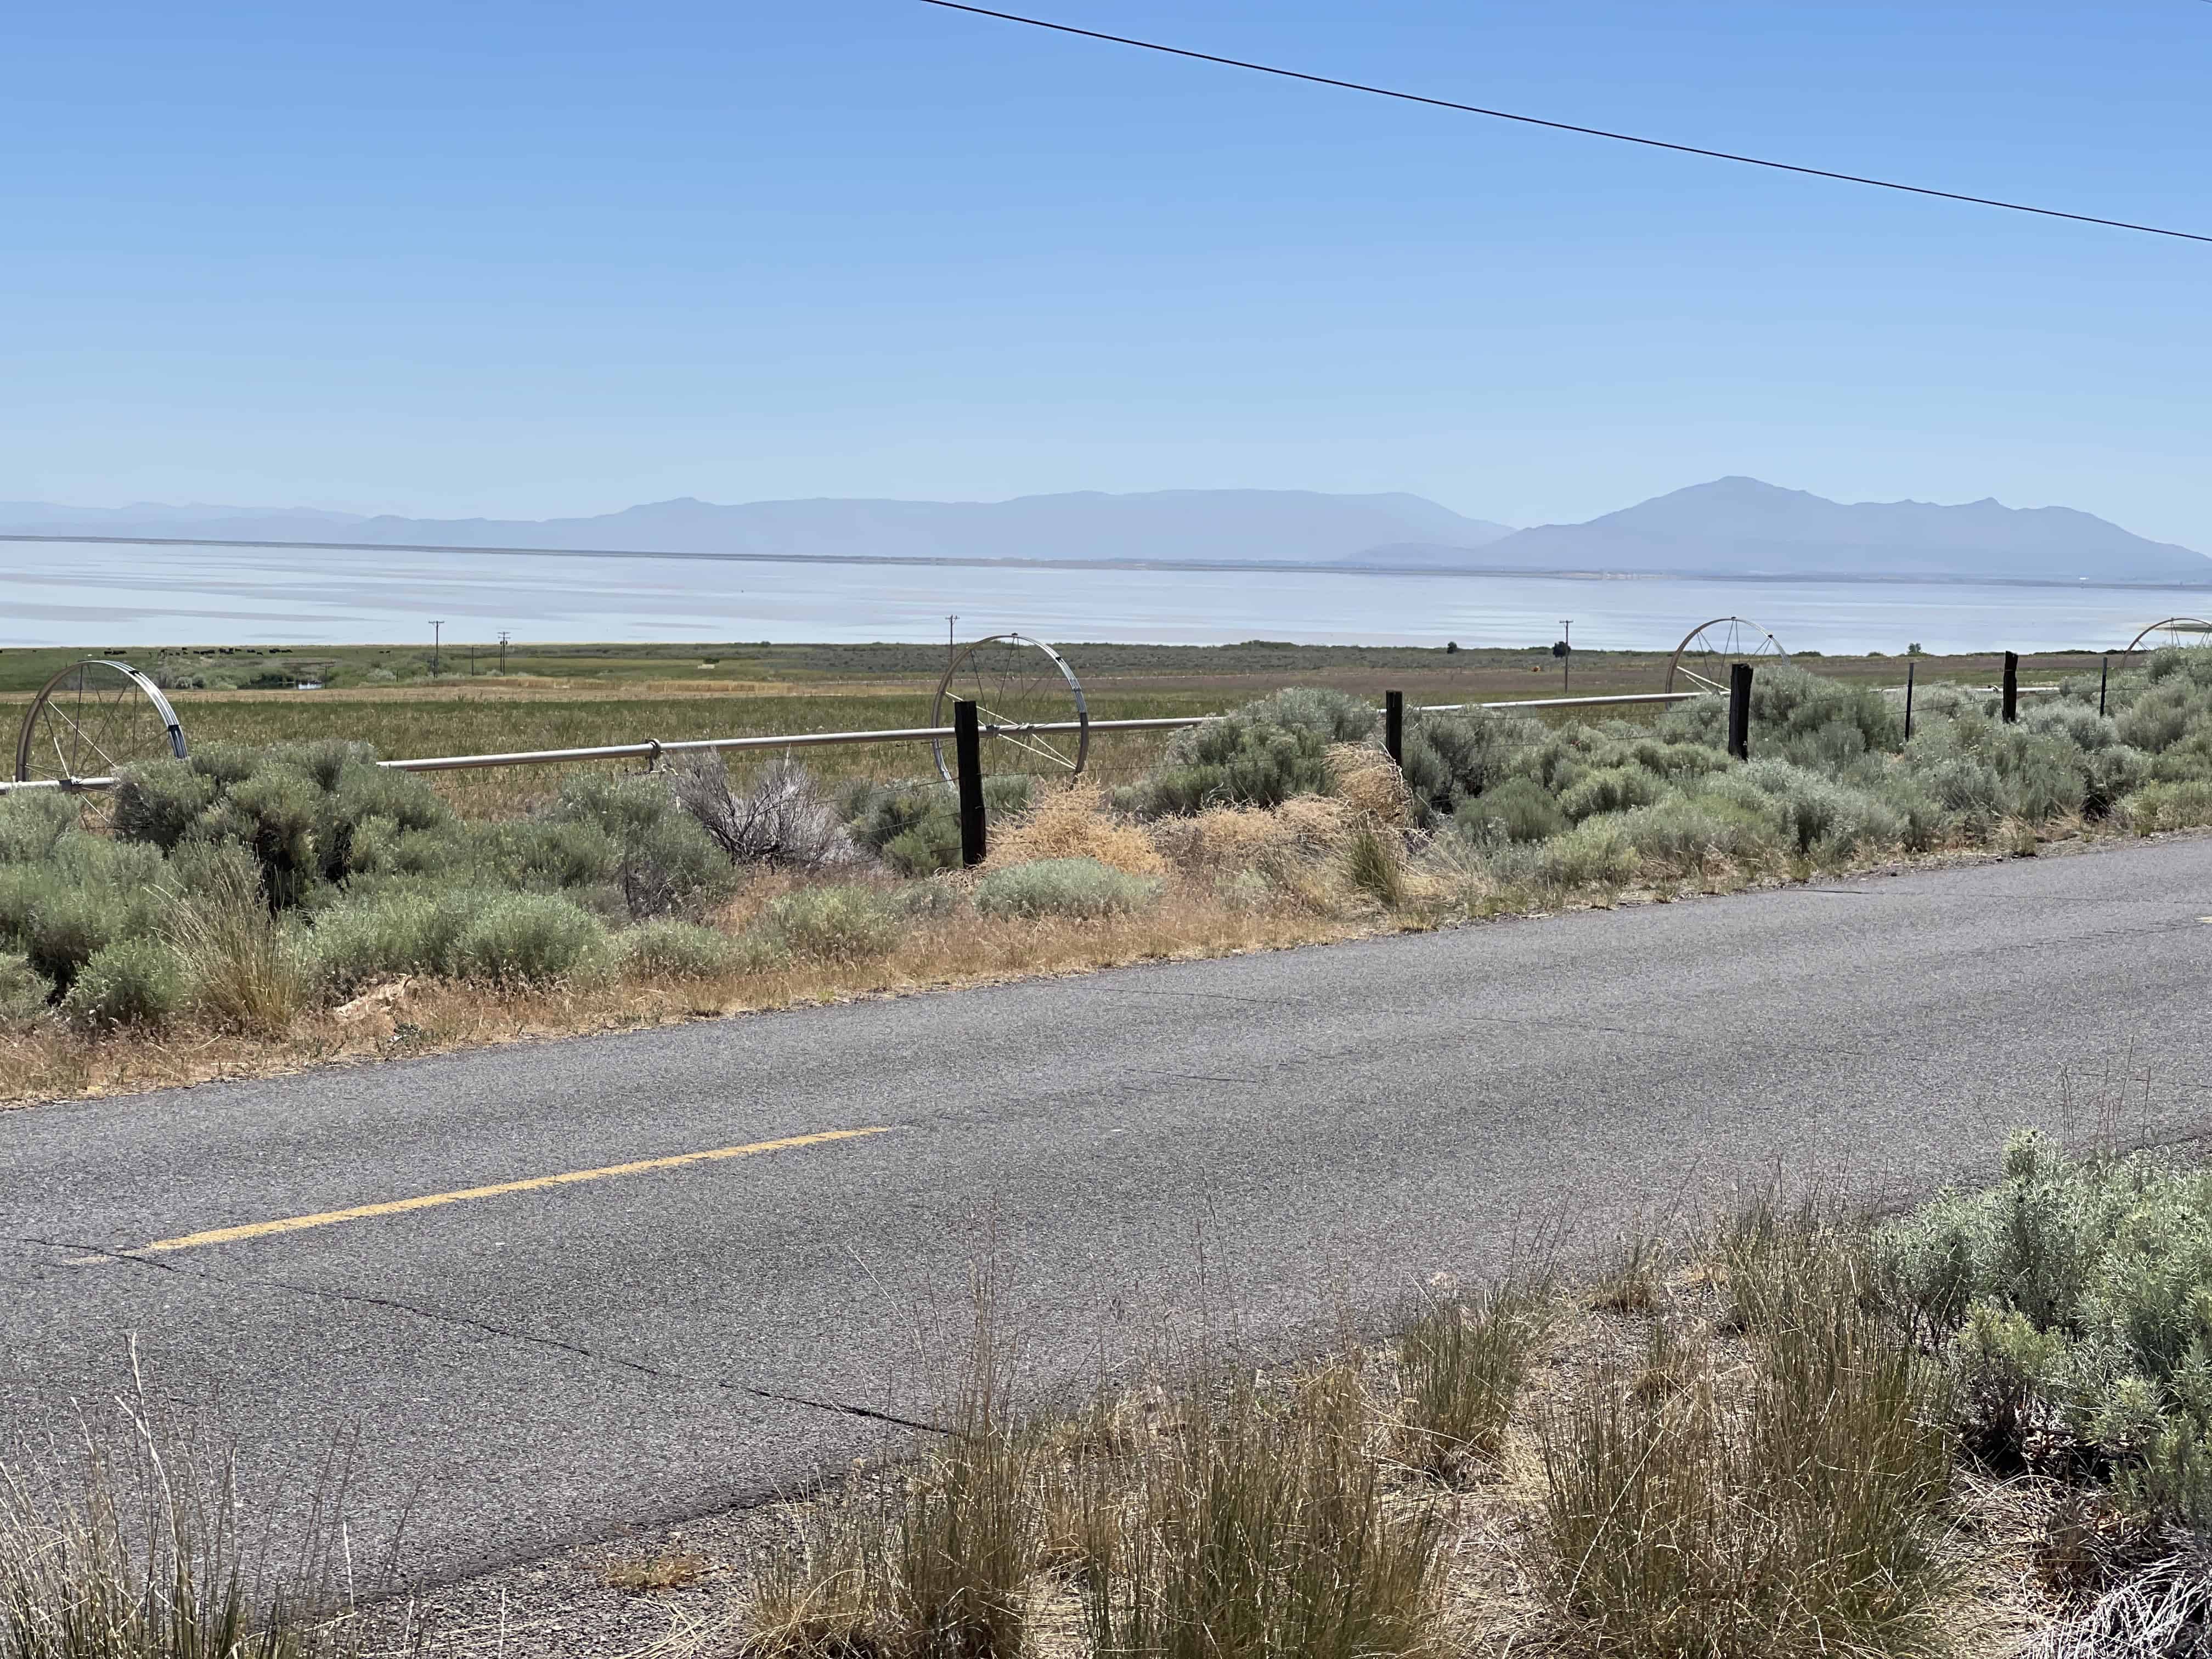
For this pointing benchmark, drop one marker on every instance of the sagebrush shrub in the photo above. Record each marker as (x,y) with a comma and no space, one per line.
(135,981)
(2076,1292)
(543,852)
(159,802)
(1517,809)
(1062,887)
(1450,758)
(1798,716)
(1594,854)
(2158,806)
(31,823)
(1610,789)
(839,922)
(1686,833)
(915,827)
(526,938)
(25,992)
(675,949)
(1259,755)
(395,931)
(664,862)
(1818,818)
(85,896)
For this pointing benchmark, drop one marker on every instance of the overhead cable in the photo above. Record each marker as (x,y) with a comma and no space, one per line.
(1564,126)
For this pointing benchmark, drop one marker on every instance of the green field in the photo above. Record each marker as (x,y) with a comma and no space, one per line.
(576,696)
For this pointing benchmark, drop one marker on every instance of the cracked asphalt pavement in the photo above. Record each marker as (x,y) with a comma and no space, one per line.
(1281,1139)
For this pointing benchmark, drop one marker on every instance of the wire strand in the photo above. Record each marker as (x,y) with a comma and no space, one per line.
(1564,126)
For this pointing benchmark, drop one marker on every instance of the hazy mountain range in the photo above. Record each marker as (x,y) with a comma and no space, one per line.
(1732,526)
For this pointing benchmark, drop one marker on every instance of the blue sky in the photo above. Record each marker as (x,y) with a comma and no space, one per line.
(554,259)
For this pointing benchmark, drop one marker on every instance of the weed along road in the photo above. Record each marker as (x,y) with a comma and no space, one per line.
(557,1289)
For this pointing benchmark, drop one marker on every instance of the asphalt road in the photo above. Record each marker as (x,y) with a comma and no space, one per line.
(1277,1138)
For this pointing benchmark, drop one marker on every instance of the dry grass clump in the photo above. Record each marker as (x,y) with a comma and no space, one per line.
(1074,823)
(1228,1513)
(1462,1363)
(939,1559)
(1228,838)
(247,973)
(675,1568)
(1792,1502)
(1370,785)
(1260,1525)
(129,1544)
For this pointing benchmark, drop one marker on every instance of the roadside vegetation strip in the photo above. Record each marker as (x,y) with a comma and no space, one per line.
(534,1183)
(1979,1428)
(259,906)
(1785,1432)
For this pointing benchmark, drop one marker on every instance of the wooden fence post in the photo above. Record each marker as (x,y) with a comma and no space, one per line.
(2104,678)
(1394,726)
(968,754)
(2011,687)
(1909,668)
(1738,736)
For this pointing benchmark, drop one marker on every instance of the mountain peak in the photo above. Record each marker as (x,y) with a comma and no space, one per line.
(1742,526)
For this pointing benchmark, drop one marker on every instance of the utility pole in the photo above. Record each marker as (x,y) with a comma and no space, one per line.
(951,649)
(1567,657)
(502,651)
(437,644)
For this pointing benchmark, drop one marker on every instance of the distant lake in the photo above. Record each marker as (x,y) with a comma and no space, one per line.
(107,597)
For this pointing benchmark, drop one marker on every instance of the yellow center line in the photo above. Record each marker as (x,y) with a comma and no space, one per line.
(432,1200)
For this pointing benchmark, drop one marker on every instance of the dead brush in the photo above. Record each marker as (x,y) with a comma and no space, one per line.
(784,821)
(670,1569)
(1462,1365)
(1370,786)
(1790,1507)
(1074,823)
(1224,839)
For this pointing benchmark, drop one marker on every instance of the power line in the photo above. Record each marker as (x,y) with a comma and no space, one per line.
(1563,127)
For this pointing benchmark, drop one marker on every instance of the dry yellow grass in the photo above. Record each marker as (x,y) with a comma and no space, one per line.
(1224,839)
(1074,823)
(1370,785)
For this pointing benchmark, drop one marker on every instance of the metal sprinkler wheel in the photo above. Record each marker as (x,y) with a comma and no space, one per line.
(1028,702)
(93,718)
(1702,661)
(2173,631)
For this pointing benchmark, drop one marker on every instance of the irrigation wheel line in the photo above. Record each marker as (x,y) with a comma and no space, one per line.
(2174,627)
(1713,646)
(93,718)
(1028,700)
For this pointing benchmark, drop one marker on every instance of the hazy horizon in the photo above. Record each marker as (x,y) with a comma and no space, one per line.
(512,261)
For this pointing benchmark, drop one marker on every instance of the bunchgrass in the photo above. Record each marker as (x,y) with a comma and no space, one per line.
(244,971)
(127,1541)
(1791,1504)
(1258,1523)
(1463,1362)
